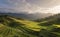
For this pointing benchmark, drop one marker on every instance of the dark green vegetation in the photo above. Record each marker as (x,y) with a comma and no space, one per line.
(51,26)
(14,27)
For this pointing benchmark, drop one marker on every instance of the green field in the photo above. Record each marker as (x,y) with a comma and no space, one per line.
(13,27)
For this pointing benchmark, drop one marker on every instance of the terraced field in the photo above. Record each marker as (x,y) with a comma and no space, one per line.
(13,27)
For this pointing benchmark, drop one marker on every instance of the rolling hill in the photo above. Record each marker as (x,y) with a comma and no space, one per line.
(51,26)
(14,27)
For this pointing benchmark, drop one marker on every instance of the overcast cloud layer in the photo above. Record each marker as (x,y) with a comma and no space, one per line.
(31,6)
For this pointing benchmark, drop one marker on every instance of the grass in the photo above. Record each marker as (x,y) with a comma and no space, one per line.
(56,25)
(13,27)
(6,31)
(29,24)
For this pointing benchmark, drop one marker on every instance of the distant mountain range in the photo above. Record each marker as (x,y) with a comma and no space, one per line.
(25,15)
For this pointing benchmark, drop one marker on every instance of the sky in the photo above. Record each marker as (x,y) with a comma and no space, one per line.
(30,6)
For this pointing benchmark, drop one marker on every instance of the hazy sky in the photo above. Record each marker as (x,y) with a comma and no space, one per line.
(31,6)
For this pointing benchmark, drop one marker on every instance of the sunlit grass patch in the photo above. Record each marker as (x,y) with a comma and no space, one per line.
(56,25)
(28,24)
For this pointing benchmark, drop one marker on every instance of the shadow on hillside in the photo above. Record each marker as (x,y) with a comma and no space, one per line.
(46,33)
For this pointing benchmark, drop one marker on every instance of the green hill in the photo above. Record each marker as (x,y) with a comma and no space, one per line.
(51,26)
(14,27)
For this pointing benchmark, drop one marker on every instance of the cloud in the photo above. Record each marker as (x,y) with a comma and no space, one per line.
(30,6)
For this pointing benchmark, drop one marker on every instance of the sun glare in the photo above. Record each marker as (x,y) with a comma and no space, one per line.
(55,9)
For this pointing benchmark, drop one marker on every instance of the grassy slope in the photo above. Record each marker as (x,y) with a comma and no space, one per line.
(51,27)
(29,24)
(12,27)
(16,28)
